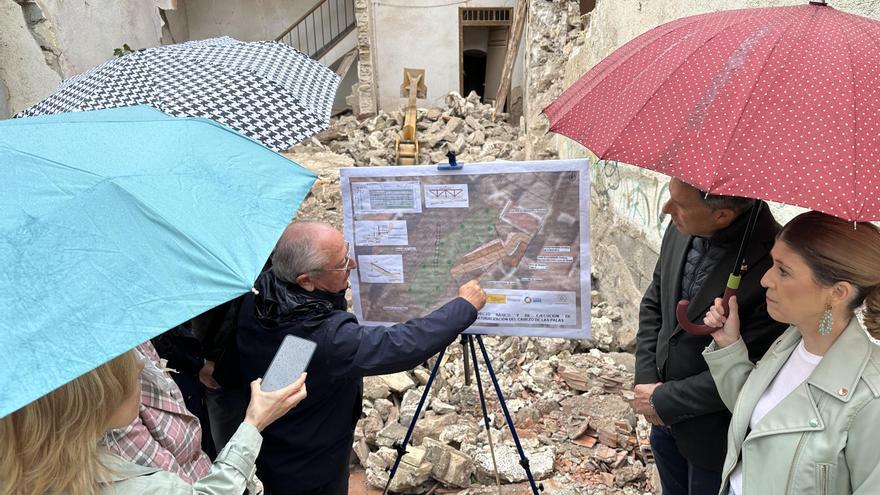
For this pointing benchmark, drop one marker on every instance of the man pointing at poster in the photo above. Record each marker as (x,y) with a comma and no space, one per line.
(307,451)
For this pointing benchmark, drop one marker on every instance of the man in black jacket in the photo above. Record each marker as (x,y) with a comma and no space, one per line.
(307,451)
(674,389)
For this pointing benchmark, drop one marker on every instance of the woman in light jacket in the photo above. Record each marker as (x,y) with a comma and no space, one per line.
(53,445)
(806,417)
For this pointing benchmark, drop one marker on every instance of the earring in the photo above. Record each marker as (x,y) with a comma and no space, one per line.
(826,321)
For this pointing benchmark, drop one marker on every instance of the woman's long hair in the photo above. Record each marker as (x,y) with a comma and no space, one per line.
(837,250)
(51,445)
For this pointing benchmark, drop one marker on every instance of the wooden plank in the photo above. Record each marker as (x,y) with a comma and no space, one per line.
(519,21)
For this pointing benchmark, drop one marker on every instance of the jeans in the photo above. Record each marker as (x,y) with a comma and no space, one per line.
(677,475)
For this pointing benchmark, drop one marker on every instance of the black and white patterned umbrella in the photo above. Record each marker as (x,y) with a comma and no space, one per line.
(265,90)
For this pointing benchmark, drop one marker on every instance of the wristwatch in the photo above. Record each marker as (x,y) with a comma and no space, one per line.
(651,401)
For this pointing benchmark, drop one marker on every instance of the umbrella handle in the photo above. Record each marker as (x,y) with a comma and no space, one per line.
(681,309)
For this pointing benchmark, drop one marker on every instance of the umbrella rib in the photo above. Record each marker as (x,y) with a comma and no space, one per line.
(682,64)
(871,36)
(149,209)
(49,161)
(645,104)
(749,100)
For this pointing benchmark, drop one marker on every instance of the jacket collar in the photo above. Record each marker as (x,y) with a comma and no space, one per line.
(278,301)
(842,366)
(837,375)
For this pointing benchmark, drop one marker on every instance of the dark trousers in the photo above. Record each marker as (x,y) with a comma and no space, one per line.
(677,475)
(335,487)
(226,409)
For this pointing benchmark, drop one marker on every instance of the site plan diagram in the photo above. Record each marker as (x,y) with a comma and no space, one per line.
(520,228)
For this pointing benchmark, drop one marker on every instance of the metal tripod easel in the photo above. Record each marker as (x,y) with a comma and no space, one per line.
(467,342)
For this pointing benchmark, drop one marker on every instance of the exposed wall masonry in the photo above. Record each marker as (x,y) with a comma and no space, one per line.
(43,32)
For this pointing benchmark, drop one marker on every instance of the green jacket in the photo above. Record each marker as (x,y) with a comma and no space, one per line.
(824,437)
(232,472)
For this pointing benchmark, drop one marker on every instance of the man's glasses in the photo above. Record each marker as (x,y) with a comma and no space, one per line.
(347,261)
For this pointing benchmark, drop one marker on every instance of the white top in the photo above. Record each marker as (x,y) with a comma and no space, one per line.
(793,373)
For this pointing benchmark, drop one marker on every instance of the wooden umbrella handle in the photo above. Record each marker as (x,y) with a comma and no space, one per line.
(692,328)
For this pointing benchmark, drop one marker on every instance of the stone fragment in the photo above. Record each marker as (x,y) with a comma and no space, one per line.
(509,468)
(371,424)
(422,374)
(383,407)
(409,404)
(431,425)
(449,466)
(398,382)
(375,388)
(392,433)
(440,407)
(409,478)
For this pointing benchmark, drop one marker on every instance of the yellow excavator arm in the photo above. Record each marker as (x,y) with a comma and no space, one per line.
(407,144)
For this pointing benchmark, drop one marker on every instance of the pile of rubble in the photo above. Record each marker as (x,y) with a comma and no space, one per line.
(567,400)
(464,126)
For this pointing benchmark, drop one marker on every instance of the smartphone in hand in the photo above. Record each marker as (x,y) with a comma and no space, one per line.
(291,360)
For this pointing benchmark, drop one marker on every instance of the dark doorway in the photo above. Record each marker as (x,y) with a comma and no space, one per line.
(474,72)
(587,6)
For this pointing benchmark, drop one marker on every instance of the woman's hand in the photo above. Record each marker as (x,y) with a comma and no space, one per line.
(728,326)
(266,407)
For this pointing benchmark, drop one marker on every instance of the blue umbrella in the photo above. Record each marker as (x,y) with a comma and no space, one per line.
(120,224)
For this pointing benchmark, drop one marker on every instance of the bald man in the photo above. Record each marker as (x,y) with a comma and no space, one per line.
(307,451)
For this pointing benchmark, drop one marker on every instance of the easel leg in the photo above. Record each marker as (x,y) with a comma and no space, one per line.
(401,447)
(470,341)
(523,460)
(465,339)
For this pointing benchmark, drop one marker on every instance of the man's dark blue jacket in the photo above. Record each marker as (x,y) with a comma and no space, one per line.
(309,448)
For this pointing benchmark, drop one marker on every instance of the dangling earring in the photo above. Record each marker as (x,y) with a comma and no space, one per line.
(826,321)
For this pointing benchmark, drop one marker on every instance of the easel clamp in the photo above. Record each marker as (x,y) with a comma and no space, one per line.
(452,165)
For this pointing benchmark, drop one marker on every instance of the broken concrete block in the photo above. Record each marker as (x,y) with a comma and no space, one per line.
(422,374)
(431,425)
(375,388)
(409,478)
(398,382)
(440,407)
(383,407)
(449,466)
(509,468)
(409,404)
(370,425)
(391,434)
(414,456)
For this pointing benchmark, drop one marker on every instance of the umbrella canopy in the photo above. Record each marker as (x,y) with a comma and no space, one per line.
(265,90)
(116,225)
(781,104)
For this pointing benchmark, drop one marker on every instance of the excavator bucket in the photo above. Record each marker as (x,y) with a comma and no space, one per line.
(417,75)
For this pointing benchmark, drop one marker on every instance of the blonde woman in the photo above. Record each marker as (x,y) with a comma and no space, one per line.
(52,445)
(806,416)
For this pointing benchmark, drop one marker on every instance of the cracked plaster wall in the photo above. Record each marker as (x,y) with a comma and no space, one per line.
(44,41)
(626,224)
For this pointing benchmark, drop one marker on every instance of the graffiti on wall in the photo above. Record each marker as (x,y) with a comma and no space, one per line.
(634,194)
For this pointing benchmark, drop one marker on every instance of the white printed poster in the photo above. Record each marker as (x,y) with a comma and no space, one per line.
(521,228)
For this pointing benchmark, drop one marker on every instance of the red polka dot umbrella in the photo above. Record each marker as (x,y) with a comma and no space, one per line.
(781,104)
